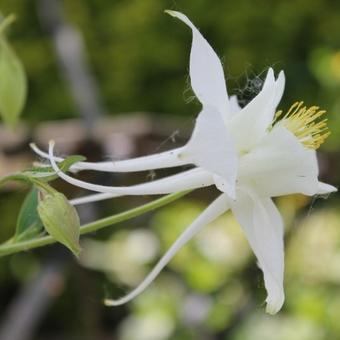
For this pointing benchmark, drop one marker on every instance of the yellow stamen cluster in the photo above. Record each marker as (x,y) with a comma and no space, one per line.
(304,123)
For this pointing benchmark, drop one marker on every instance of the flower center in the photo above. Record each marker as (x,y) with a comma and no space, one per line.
(305,124)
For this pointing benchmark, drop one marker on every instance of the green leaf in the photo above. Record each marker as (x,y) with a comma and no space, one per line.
(13,84)
(44,174)
(29,223)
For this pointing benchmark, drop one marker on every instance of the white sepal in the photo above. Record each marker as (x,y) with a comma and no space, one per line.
(211,147)
(206,71)
(263,227)
(280,165)
(191,179)
(251,123)
(325,189)
(214,210)
(166,159)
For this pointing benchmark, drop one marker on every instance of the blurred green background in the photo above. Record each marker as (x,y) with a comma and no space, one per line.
(140,55)
(212,289)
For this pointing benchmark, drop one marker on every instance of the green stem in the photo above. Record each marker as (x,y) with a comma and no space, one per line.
(6,22)
(43,185)
(11,248)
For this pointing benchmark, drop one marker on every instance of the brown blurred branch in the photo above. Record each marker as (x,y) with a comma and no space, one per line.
(27,309)
(70,51)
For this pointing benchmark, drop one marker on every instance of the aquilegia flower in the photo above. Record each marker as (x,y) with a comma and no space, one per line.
(250,154)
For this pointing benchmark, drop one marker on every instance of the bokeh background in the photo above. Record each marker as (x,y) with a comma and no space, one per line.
(136,69)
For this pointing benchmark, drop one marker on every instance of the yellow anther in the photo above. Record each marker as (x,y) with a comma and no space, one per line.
(304,123)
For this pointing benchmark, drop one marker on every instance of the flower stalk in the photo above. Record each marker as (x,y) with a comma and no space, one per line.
(11,248)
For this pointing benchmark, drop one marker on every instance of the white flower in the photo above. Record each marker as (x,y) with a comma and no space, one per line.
(249,154)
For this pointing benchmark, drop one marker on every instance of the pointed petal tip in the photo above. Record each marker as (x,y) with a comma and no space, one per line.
(281,74)
(171,12)
(324,189)
(35,149)
(181,17)
(111,303)
(269,82)
(271,310)
(107,302)
(270,72)
(281,79)
(274,306)
(271,75)
(176,14)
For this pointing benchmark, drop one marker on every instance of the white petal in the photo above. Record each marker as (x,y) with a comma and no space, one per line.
(263,227)
(217,208)
(43,154)
(251,123)
(234,105)
(191,179)
(92,198)
(279,89)
(280,165)
(161,160)
(206,71)
(212,148)
(325,189)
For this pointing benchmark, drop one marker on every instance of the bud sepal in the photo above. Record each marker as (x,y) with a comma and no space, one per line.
(60,219)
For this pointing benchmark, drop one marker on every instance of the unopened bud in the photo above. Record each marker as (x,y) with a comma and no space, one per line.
(60,219)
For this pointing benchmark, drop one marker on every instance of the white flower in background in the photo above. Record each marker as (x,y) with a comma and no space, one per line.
(250,155)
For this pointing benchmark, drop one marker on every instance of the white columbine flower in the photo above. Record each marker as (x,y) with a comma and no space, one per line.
(250,155)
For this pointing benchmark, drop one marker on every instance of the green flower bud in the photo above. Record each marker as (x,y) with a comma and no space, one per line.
(13,84)
(60,219)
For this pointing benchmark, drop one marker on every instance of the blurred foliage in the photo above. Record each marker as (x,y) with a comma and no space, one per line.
(140,55)
(13,85)
(210,285)
(212,288)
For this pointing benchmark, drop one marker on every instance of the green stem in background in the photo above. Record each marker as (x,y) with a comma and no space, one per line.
(11,248)
(6,22)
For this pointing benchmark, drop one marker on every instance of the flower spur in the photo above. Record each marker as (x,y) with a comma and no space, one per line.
(250,155)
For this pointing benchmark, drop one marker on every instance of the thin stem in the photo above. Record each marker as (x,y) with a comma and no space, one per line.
(10,248)
(6,22)
(43,185)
